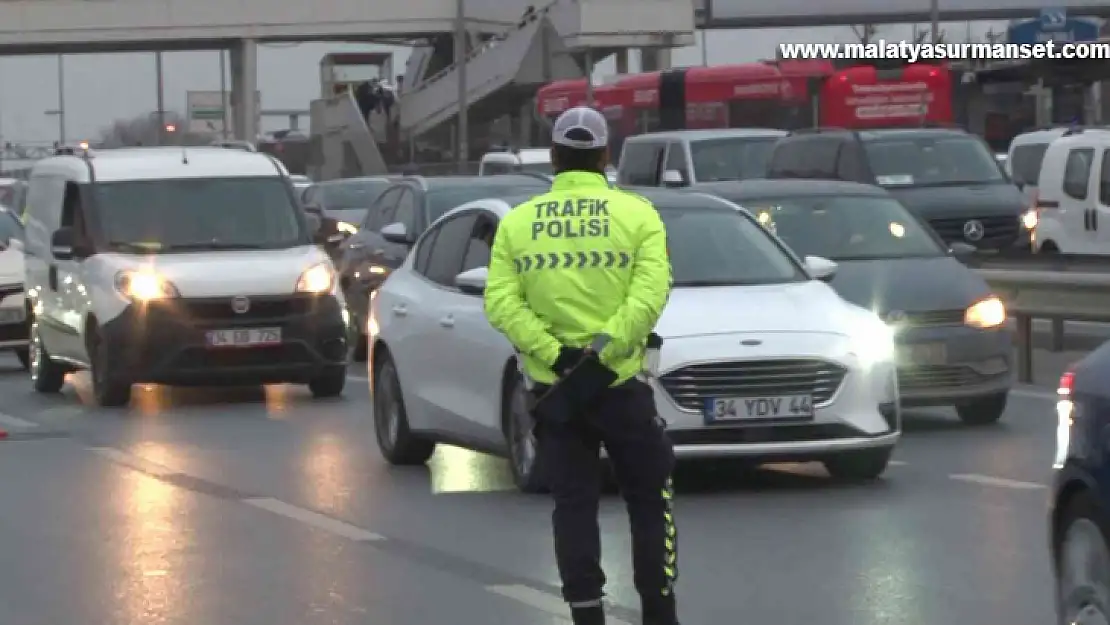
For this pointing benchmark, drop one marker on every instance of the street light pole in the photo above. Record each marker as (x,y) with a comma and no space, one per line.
(934,17)
(463,126)
(223,93)
(161,97)
(61,100)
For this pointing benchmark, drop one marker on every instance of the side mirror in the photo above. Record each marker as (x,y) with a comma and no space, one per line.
(959,249)
(472,281)
(396,233)
(820,268)
(61,243)
(673,178)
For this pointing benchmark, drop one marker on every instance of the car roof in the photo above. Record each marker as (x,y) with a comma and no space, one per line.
(715,133)
(343,181)
(1045,135)
(159,163)
(435,183)
(787,186)
(664,200)
(524,155)
(909,133)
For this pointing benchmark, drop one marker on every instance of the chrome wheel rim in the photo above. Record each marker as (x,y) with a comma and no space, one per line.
(1085,575)
(388,409)
(35,353)
(524,441)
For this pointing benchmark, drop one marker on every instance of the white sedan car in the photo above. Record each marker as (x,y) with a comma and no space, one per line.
(761,358)
(14,329)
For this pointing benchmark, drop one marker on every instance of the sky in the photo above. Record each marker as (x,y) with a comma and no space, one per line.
(100,88)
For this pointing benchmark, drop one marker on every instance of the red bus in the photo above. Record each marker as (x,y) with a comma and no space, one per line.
(783,94)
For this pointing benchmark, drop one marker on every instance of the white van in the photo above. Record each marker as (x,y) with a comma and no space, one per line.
(1023,160)
(1073,198)
(179,266)
(527,160)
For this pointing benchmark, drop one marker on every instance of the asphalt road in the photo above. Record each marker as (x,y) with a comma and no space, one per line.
(269,508)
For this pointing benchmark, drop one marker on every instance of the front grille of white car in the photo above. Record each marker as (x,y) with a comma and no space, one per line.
(690,386)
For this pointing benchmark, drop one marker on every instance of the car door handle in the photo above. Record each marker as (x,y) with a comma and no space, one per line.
(400,311)
(447,322)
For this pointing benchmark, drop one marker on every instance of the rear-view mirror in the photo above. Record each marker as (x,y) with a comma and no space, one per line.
(820,268)
(472,281)
(396,233)
(673,178)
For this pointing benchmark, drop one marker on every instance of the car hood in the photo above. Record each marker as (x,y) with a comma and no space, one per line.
(909,284)
(11,266)
(810,307)
(219,274)
(973,200)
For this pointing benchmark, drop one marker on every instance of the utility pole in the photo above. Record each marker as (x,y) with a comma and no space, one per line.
(589,76)
(934,18)
(223,94)
(61,100)
(161,97)
(462,143)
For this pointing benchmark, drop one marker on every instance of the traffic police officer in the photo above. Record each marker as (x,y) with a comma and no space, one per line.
(579,276)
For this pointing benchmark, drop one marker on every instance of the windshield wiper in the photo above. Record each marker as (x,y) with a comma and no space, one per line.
(214,246)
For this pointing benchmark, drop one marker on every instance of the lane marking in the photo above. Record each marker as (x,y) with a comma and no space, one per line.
(542,601)
(1000,482)
(133,462)
(16,422)
(897,463)
(313,519)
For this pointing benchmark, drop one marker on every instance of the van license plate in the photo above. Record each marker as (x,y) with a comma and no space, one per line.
(243,337)
(923,354)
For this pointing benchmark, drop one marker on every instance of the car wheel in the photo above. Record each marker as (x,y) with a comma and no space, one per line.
(395,440)
(330,384)
(109,390)
(47,376)
(524,458)
(858,466)
(984,410)
(24,356)
(1083,567)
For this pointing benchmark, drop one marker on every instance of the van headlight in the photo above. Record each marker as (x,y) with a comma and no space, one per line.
(317,279)
(143,286)
(986,313)
(873,343)
(1030,218)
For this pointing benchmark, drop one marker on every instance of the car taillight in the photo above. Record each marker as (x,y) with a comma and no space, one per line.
(1067,381)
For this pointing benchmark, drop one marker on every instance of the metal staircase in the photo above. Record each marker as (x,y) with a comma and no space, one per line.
(342,145)
(509,67)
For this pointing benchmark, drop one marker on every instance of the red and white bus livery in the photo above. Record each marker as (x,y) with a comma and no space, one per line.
(782,94)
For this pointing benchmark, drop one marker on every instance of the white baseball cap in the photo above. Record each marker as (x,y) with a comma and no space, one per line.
(581,128)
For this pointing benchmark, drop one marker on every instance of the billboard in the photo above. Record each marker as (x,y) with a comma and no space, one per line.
(205,111)
(791,13)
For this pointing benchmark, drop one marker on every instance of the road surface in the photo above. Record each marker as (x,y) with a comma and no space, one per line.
(268,508)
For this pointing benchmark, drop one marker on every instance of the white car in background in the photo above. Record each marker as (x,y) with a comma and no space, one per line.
(761,359)
(14,328)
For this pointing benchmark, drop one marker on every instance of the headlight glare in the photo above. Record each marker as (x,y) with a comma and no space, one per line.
(1030,219)
(317,279)
(986,313)
(345,227)
(874,343)
(143,286)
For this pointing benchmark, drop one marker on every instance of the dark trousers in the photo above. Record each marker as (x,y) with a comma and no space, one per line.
(623,419)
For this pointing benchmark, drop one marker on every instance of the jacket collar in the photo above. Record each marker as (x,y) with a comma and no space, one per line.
(570,180)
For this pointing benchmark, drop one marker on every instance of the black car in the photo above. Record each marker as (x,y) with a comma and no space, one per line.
(342,205)
(401,213)
(947,177)
(1080,516)
(954,348)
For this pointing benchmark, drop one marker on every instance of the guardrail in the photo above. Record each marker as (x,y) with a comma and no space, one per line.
(1055,287)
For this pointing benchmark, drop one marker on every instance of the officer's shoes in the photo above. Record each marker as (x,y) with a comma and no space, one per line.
(593,615)
(659,611)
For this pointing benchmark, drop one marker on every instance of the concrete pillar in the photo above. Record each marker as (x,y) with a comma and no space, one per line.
(655,59)
(244,86)
(622,61)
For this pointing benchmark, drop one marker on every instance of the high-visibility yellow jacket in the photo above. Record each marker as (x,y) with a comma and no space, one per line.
(582,260)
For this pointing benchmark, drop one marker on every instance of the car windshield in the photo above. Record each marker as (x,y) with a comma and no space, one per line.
(724,248)
(845,227)
(10,228)
(734,158)
(198,213)
(350,199)
(932,161)
(442,200)
(538,168)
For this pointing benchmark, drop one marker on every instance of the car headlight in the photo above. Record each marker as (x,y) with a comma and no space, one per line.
(1030,218)
(345,227)
(874,343)
(144,286)
(317,279)
(986,313)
